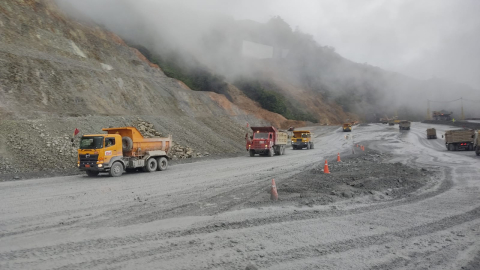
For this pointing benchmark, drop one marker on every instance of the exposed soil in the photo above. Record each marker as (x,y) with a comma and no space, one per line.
(366,173)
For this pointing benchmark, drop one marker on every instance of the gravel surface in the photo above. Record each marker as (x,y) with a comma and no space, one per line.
(217,212)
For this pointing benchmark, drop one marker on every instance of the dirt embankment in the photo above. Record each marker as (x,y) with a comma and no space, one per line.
(43,147)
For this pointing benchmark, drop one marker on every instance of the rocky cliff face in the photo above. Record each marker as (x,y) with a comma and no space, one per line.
(57,75)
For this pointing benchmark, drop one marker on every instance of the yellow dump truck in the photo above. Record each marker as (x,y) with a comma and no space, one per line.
(476,142)
(347,127)
(302,139)
(120,149)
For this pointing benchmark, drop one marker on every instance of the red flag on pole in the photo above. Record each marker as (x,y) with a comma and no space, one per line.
(76,132)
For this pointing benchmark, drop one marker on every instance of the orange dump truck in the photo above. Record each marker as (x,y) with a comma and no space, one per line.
(347,127)
(120,149)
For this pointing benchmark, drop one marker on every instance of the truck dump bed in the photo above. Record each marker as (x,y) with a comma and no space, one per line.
(456,136)
(141,145)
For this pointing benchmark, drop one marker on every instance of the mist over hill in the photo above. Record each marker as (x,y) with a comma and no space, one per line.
(306,75)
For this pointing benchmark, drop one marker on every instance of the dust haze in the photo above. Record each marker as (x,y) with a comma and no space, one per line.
(396,54)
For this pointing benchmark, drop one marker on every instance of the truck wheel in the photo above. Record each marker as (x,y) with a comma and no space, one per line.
(92,173)
(477,151)
(162,164)
(283,150)
(270,152)
(308,146)
(294,147)
(312,146)
(470,147)
(116,169)
(151,165)
(127,144)
(451,147)
(252,153)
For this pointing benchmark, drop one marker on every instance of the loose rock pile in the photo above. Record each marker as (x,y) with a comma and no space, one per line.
(146,129)
(177,151)
(38,150)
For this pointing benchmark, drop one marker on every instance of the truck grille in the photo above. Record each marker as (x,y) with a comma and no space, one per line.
(299,140)
(88,158)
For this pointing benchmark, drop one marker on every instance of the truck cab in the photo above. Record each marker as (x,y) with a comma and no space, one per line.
(302,139)
(97,152)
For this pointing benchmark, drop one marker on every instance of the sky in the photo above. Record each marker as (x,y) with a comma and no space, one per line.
(422,39)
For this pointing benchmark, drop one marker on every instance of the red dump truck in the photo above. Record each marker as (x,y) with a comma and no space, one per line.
(459,140)
(120,149)
(267,141)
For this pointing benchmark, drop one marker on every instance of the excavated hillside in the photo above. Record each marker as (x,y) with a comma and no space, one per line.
(57,74)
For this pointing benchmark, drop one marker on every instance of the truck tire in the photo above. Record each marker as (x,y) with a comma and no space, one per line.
(116,170)
(312,146)
(162,164)
(150,165)
(283,150)
(270,152)
(308,146)
(127,144)
(252,153)
(470,147)
(477,151)
(92,173)
(294,147)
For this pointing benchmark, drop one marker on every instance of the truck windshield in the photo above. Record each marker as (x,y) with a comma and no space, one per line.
(261,135)
(304,135)
(94,142)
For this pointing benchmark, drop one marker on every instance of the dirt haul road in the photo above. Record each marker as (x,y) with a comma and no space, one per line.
(216,214)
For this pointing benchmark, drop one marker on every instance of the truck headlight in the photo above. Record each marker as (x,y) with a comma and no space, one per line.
(100,165)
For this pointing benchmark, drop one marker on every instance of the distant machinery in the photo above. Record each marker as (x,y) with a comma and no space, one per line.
(441,115)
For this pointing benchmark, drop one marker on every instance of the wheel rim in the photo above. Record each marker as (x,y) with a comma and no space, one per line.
(116,169)
(151,165)
(164,164)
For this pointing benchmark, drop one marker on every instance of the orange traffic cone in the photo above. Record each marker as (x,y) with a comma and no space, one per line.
(338,157)
(274,194)
(325,168)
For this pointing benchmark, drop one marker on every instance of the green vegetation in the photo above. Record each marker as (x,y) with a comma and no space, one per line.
(194,75)
(271,100)
(199,78)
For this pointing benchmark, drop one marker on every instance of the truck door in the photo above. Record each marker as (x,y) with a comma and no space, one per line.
(112,148)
